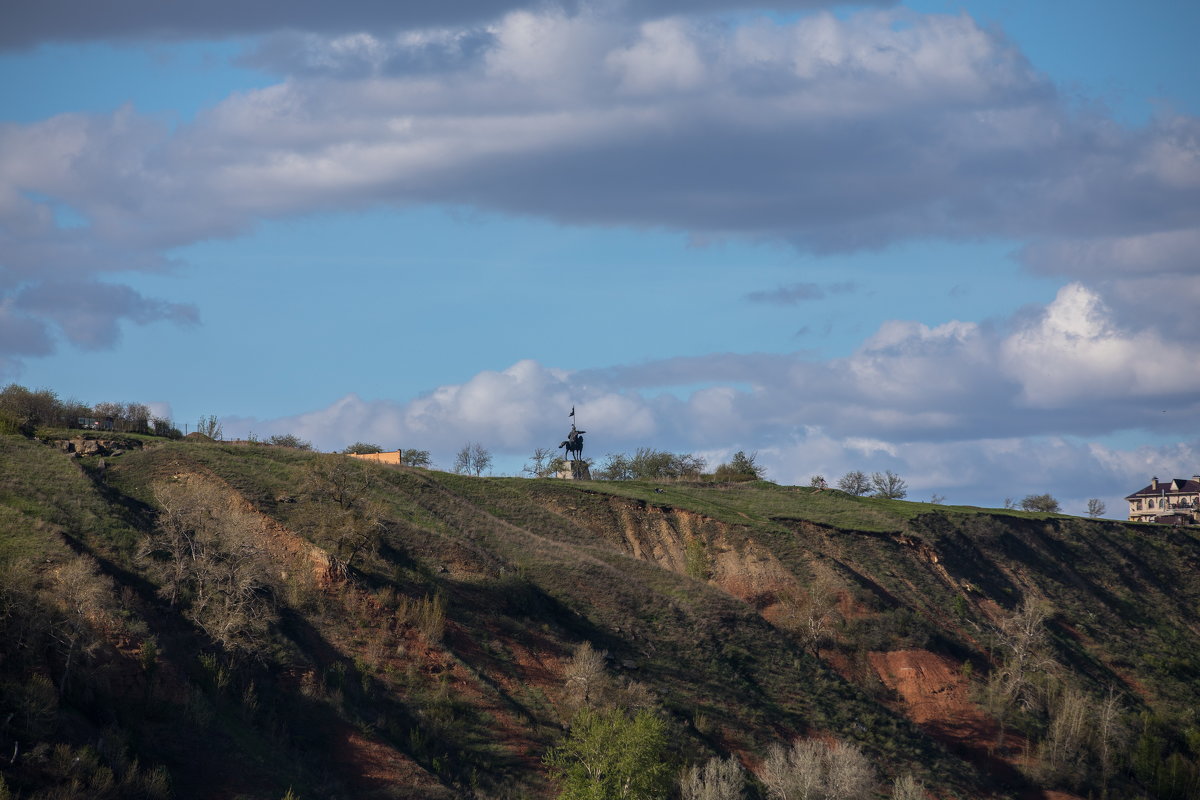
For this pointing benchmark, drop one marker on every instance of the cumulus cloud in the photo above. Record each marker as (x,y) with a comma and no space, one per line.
(958,408)
(833,134)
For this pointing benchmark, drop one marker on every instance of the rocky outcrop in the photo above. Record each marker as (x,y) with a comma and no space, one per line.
(86,446)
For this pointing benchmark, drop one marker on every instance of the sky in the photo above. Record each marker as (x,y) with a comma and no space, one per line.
(955,239)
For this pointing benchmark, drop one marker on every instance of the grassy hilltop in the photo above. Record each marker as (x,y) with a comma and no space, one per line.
(200,620)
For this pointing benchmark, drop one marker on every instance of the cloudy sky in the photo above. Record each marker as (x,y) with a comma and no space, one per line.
(957,239)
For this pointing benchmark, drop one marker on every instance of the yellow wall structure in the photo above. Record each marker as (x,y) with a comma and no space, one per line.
(379,458)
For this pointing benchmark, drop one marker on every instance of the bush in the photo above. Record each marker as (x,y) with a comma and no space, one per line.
(289,440)
(889,485)
(741,467)
(610,754)
(1044,503)
(416,458)
(362,448)
(855,482)
(12,425)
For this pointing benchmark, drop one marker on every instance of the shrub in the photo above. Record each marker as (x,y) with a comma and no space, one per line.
(855,482)
(889,485)
(741,467)
(610,754)
(362,448)
(1044,503)
(289,440)
(718,779)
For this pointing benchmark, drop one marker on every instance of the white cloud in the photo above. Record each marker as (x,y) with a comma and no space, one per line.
(665,58)
(1074,354)
(958,409)
(832,134)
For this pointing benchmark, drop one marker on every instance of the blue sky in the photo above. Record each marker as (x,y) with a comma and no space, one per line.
(953,239)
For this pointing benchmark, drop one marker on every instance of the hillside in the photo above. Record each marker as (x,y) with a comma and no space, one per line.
(199,620)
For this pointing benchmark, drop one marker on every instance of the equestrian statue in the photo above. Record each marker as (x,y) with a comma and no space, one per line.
(574,451)
(574,444)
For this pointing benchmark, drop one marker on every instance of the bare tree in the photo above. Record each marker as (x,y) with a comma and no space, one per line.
(585,679)
(1023,644)
(85,599)
(812,770)
(1065,750)
(855,482)
(136,417)
(796,772)
(907,787)
(538,464)
(1096,507)
(812,614)
(848,773)
(718,779)
(210,426)
(888,485)
(818,482)
(342,516)
(473,459)
(1110,734)
(211,565)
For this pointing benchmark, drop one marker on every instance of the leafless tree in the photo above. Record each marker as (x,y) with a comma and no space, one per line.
(717,779)
(848,773)
(341,514)
(472,459)
(796,772)
(211,565)
(85,599)
(1023,645)
(888,485)
(812,613)
(1096,507)
(211,427)
(1065,750)
(907,787)
(585,678)
(538,465)
(1110,735)
(812,770)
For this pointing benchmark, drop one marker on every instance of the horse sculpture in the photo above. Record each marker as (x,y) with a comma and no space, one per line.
(574,444)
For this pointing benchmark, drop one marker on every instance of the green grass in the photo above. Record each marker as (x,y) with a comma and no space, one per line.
(530,568)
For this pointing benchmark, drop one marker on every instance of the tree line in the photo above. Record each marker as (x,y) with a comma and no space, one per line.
(23,410)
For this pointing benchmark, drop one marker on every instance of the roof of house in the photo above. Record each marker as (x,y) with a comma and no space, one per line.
(1174,486)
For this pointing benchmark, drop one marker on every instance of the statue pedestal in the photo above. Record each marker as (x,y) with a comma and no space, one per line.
(577,471)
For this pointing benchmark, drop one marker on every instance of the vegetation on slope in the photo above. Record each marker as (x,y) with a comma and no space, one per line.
(200,620)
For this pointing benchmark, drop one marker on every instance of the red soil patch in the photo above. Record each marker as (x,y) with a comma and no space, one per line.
(935,697)
(373,767)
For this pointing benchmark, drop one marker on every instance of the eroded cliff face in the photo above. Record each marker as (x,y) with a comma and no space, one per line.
(929,688)
(290,555)
(692,544)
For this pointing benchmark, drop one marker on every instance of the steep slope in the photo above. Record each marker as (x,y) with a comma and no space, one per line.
(241,620)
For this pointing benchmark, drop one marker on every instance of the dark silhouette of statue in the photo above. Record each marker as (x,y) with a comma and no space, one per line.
(574,443)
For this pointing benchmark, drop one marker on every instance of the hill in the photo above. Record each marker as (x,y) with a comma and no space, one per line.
(200,620)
